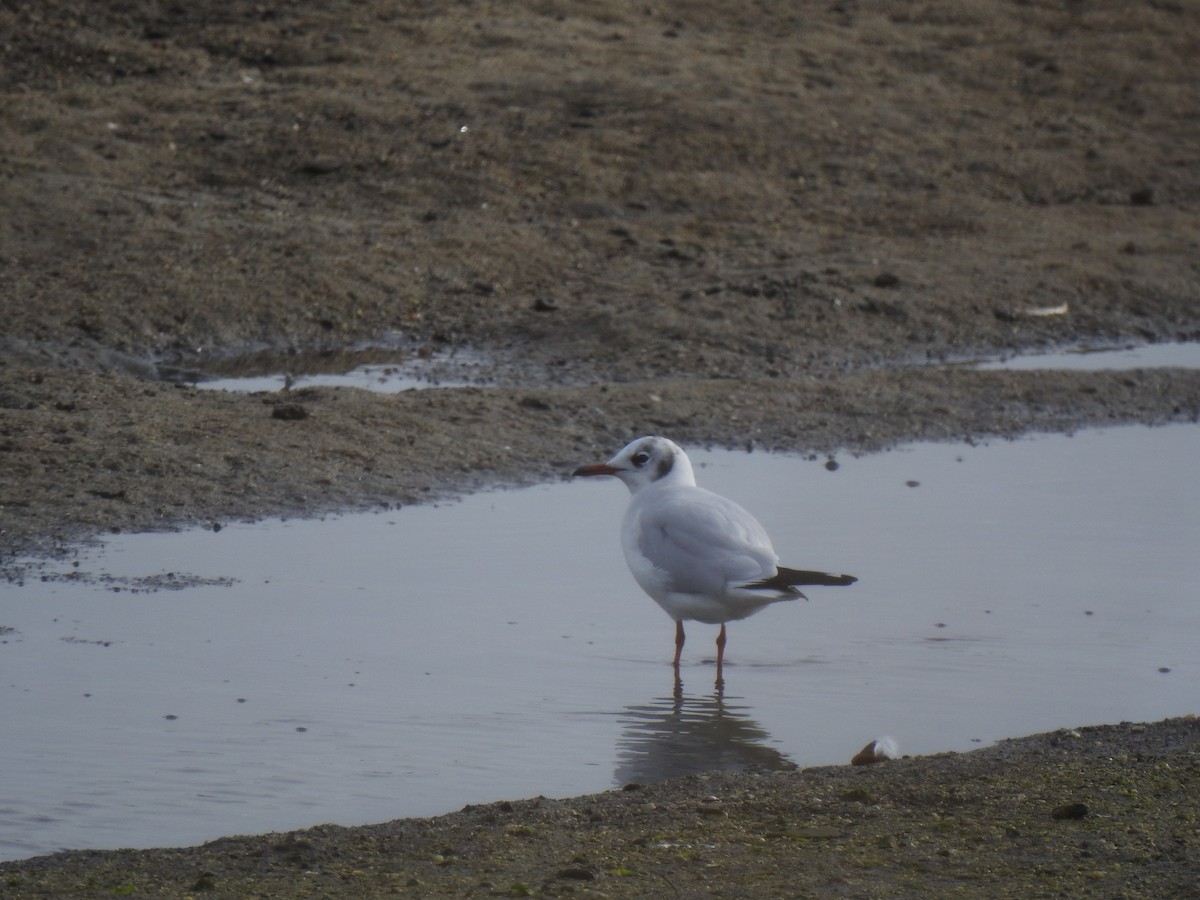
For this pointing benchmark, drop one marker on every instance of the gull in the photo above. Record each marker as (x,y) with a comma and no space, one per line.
(699,555)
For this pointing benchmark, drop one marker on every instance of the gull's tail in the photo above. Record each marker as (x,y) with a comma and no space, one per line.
(788,580)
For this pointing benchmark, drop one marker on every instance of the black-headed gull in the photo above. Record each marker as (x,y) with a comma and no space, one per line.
(697,554)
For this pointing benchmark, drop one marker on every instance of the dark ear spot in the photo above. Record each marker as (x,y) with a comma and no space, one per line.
(665,464)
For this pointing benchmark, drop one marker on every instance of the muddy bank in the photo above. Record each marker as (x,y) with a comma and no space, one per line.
(110,453)
(703,224)
(680,220)
(609,192)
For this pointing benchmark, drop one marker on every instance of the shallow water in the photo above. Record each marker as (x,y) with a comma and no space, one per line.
(457,370)
(1142,356)
(464,367)
(174,688)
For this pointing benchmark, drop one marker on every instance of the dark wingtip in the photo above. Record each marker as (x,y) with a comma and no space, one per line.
(792,577)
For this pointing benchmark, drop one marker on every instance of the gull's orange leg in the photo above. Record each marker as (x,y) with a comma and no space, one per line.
(720,655)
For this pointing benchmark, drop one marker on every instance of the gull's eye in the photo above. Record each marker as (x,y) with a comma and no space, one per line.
(640,458)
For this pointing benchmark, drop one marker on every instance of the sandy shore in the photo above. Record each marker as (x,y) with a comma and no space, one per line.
(1100,811)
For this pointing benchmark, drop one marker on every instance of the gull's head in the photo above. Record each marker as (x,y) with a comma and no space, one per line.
(646,461)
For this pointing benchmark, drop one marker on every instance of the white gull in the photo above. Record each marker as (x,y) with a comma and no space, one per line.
(699,555)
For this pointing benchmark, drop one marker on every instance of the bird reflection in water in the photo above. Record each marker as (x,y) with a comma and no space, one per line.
(682,735)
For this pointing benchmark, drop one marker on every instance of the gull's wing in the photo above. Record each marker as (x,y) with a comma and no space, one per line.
(700,542)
